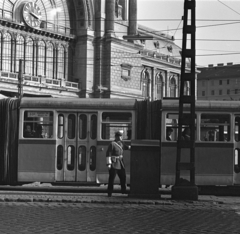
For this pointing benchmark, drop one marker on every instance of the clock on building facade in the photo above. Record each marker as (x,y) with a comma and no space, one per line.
(32,14)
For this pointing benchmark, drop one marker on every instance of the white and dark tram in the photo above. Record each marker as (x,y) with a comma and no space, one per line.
(58,140)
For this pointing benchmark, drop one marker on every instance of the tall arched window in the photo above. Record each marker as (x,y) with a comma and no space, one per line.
(173,87)
(159,86)
(1,51)
(29,56)
(7,52)
(49,67)
(19,51)
(145,83)
(61,63)
(41,58)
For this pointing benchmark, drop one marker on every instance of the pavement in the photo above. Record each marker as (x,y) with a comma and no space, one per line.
(40,192)
(42,208)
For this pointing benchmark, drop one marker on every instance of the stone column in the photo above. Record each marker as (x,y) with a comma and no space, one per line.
(132,30)
(110,16)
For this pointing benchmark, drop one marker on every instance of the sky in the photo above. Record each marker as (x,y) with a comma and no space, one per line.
(217,26)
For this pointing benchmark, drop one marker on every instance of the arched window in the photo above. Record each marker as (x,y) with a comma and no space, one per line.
(61,63)
(172,87)
(145,83)
(7,52)
(1,51)
(159,86)
(49,67)
(19,51)
(41,58)
(29,56)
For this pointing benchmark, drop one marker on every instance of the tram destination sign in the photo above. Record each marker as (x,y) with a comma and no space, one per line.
(37,114)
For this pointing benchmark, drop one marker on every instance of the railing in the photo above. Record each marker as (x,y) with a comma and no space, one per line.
(39,80)
(163,57)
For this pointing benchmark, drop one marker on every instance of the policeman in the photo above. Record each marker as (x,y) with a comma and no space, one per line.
(114,157)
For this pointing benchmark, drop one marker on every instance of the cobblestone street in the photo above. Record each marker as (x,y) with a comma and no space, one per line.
(42,217)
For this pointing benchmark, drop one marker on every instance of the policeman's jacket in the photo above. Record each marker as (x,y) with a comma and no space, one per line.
(114,155)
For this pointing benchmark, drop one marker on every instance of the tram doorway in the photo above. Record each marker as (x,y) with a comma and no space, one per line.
(76,147)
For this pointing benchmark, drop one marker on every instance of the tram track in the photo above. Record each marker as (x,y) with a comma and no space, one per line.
(69,190)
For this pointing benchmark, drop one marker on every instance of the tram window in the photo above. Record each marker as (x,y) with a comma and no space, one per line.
(93,127)
(71,126)
(116,121)
(237,129)
(83,126)
(82,158)
(60,126)
(70,157)
(60,157)
(215,127)
(92,160)
(171,130)
(38,124)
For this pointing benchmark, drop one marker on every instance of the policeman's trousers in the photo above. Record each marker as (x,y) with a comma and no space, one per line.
(122,176)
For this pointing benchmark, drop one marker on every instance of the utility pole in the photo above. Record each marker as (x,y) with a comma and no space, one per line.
(20,80)
(184,189)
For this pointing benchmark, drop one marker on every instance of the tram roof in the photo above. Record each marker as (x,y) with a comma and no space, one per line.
(205,105)
(76,103)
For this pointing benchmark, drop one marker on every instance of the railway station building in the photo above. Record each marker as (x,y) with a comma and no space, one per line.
(219,82)
(76,48)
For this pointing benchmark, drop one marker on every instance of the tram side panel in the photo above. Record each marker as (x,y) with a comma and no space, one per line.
(37,147)
(214,149)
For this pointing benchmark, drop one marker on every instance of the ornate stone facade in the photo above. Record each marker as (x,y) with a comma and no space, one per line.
(76,49)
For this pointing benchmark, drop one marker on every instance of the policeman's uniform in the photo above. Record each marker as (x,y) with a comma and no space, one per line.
(114,157)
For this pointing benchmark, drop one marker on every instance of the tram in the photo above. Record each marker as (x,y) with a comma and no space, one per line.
(58,140)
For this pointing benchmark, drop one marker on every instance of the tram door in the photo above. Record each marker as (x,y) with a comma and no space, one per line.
(236,137)
(77,141)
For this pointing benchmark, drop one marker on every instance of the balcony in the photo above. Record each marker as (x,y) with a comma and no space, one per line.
(39,81)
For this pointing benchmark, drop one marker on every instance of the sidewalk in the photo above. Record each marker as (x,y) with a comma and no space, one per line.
(37,192)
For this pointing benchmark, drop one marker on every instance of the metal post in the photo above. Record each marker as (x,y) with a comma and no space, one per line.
(20,79)
(184,189)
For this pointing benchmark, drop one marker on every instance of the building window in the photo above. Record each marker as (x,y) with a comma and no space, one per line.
(41,58)
(236,91)
(173,87)
(220,82)
(228,91)
(19,51)
(61,63)
(159,86)
(7,52)
(126,71)
(29,57)
(212,92)
(228,82)
(145,83)
(50,60)
(203,93)
(220,92)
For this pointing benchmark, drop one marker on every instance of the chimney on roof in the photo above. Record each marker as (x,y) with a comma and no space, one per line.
(220,64)
(229,64)
(210,65)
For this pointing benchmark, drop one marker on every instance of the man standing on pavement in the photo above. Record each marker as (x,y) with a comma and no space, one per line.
(114,157)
